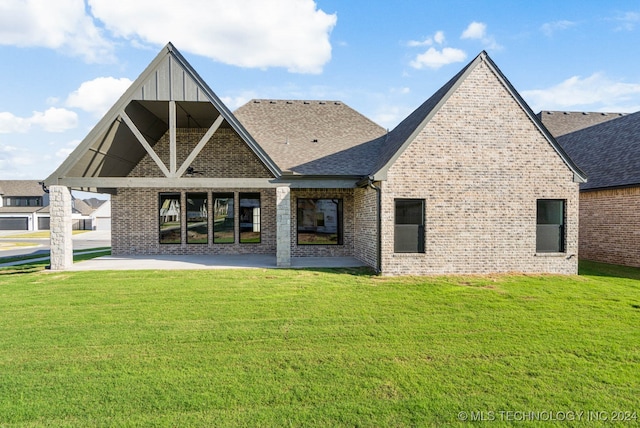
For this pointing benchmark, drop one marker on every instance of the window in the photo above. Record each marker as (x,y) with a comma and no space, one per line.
(249,218)
(319,221)
(550,226)
(409,226)
(23,201)
(223,218)
(170,219)
(197,227)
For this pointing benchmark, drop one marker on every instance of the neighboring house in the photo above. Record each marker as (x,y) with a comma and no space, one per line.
(470,182)
(101,216)
(609,152)
(23,205)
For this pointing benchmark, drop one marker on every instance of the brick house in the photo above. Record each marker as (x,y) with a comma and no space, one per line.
(609,152)
(469,182)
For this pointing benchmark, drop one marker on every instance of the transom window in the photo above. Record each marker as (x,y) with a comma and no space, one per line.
(319,221)
(409,226)
(550,226)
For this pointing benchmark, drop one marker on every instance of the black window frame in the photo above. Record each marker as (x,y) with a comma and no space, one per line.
(409,229)
(192,196)
(161,198)
(544,229)
(224,195)
(242,212)
(339,221)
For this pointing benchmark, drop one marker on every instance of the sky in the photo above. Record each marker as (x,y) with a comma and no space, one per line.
(64,63)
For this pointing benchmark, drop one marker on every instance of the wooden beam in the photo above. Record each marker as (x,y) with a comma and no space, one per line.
(172,138)
(202,183)
(198,148)
(144,143)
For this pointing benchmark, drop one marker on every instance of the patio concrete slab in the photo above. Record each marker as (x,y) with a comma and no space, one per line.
(178,262)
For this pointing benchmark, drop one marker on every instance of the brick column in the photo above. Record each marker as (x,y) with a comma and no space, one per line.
(283,227)
(60,212)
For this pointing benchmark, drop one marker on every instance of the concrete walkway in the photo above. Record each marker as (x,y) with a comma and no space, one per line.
(172,262)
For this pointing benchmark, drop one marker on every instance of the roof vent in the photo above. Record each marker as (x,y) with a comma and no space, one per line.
(272,102)
(337,103)
(289,102)
(315,140)
(322,103)
(256,101)
(305,102)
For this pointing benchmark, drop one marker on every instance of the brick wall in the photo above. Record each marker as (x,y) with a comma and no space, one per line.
(480,164)
(610,226)
(365,245)
(135,224)
(224,156)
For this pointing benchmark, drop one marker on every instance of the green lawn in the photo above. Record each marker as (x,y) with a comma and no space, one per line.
(314,348)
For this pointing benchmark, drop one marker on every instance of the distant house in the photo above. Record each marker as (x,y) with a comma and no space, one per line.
(470,182)
(23,205)
(101,216)
(609,152)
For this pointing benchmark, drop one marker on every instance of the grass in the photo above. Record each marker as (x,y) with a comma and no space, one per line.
(39,234)
(313,348)
(99,251)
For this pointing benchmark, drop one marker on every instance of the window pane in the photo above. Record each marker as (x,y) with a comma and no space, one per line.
(319,221)
(223,218)
(550,226)
(409,211)
(170,221)
(249,218)
(197,228)
(409,226)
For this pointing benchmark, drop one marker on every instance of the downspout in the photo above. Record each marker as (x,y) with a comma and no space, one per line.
(379,220)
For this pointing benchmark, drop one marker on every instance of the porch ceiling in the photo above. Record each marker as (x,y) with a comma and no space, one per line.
(117,150)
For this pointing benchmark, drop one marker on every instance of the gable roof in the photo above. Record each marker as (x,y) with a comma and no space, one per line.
(564,122)
(111,149)
(313,137)
(403,134)
(608,152)
(21,188)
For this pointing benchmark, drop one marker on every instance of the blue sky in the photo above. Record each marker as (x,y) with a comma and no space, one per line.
(65,62)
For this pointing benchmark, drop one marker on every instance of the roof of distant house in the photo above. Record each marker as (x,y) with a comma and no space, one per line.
(564,122)
(609,152)
(21,188)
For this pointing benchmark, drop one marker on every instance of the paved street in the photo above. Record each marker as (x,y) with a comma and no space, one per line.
(90,239)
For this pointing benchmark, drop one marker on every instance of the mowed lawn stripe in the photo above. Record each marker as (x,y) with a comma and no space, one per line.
(305,347)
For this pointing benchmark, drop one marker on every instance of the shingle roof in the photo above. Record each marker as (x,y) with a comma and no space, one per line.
(20,188)
(313,137)
(609,152)
(564,122)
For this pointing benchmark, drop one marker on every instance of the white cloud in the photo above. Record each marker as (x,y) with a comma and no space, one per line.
(429,41)
(478,31)
(475,30)
(51,120)
(435,59)
(593,93)
(98,95)
(248,33)
(628,21)
(238,101)
(550,28)
(61,24)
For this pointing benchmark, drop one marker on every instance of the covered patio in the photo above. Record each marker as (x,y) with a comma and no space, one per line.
(226,261)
